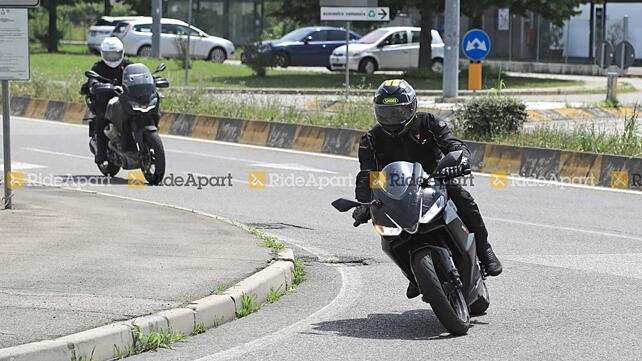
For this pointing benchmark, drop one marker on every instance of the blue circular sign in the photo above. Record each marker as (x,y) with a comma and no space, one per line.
(476,44)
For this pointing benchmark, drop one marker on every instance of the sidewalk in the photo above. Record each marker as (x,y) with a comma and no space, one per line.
(61,275)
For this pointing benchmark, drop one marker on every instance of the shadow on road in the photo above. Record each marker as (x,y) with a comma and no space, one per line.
(93,179)
(410,325)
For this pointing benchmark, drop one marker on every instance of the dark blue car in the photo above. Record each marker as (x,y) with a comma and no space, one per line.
(309,46)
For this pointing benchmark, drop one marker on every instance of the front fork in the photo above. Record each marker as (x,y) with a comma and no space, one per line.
(447,264)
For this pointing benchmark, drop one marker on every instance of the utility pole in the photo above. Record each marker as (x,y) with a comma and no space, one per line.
(450,82)
(157,14)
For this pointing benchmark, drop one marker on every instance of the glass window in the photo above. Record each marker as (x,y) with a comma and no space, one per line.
(143,28)
(182,30)
(296,35)
(120,28)
(373,37)
(416,36)
(319,36)
(338,35)
(400,37)
(169,29)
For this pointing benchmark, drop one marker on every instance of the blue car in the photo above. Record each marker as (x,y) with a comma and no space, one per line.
(310,46)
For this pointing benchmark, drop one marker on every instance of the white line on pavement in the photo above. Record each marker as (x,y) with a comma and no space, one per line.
(57,153)
(570,229)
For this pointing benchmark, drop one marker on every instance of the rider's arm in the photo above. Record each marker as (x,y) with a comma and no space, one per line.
(445,140)
(367,163)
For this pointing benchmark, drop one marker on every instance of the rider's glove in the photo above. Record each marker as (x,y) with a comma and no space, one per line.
(361,214)
(456,171)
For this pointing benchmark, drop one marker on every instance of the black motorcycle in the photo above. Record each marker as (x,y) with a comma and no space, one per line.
(413,214)
(133,112)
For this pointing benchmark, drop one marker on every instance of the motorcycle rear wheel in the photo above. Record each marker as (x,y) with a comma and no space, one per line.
(154,167)
(449,305)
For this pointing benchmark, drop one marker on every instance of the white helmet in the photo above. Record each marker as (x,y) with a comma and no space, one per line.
(111,50)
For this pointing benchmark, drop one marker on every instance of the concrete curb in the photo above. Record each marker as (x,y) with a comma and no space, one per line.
(550,164)
(113,340)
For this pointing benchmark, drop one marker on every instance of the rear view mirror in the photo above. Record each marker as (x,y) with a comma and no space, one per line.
(344,205)
(161,67)
(91,74)
(161,83)
(307,39)
(451,159)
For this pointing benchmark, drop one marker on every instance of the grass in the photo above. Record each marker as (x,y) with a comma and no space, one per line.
(586,138)
(198,329)
(150,341)
(220,289)
(274,295)
(298,272)
(83,358)
(268,241)
(248,306)
(73,60)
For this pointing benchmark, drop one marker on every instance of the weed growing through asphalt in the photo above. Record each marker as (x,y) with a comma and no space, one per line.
(298,273)
(198,329)
(149,341)
(218,321)
(275,295)
(249,306)
(268,241)
(83,358)
(220,289)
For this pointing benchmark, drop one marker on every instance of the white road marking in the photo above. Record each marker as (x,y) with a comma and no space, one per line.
(23,165)
(57,153)
(570,229)
(323,155)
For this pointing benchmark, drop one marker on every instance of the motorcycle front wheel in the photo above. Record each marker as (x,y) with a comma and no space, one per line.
(154,165)
(447,302)
(109,169)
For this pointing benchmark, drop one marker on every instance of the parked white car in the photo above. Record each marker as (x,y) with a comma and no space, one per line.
(136,36)
(390,48)
(102,29)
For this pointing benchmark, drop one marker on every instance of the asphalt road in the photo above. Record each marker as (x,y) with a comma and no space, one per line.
(570,290)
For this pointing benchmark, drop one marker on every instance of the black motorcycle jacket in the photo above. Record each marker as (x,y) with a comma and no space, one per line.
(427,141)
(108,72)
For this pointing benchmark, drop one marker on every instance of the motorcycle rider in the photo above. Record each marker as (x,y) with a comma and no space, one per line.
(111,66)
(403,134)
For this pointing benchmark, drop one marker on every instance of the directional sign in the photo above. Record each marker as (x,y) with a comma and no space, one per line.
(355,13)
(14,44)
(624,55)
(476,44)
(604,54)
(19,3)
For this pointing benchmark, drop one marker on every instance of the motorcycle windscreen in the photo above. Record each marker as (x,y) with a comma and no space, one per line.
(400,195)
(139,81)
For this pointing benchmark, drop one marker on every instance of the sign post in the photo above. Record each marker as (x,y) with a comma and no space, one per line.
(450,76)
(476,46)
(348,14)
(623,56)
(14,65)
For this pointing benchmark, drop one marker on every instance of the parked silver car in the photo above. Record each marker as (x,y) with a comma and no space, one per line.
(136,36)
(389,48)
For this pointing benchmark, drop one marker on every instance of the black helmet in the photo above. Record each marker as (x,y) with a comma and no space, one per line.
(395,106)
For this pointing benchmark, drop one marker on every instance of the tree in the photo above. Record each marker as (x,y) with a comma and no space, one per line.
(53,35)
(107,7)
(141,7)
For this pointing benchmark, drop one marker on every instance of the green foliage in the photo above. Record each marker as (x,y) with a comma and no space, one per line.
(198,329)
(258,57)
(248,306)
(83,358)
(486,117)
(277,28)
(275,295)
(220,289)
(149,341)
(298,272)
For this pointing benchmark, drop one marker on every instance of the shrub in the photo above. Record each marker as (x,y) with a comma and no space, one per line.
(258,57)
(490,116)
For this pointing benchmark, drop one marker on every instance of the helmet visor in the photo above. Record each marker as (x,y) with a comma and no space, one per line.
(112,56)
(393,116)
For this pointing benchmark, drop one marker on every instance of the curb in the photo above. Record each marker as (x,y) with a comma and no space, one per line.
(105,342)
(602,170)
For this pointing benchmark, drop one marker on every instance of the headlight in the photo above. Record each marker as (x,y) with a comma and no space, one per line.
(387,231)
(433,211)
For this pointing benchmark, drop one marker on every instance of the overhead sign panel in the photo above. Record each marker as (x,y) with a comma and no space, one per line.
(19,3)
(14,44)
(355,13)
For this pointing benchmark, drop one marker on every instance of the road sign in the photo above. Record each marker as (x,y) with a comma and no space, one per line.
(604,54)
(19,3)
(476,44)
(624,55)
(355,13)
(14,42)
